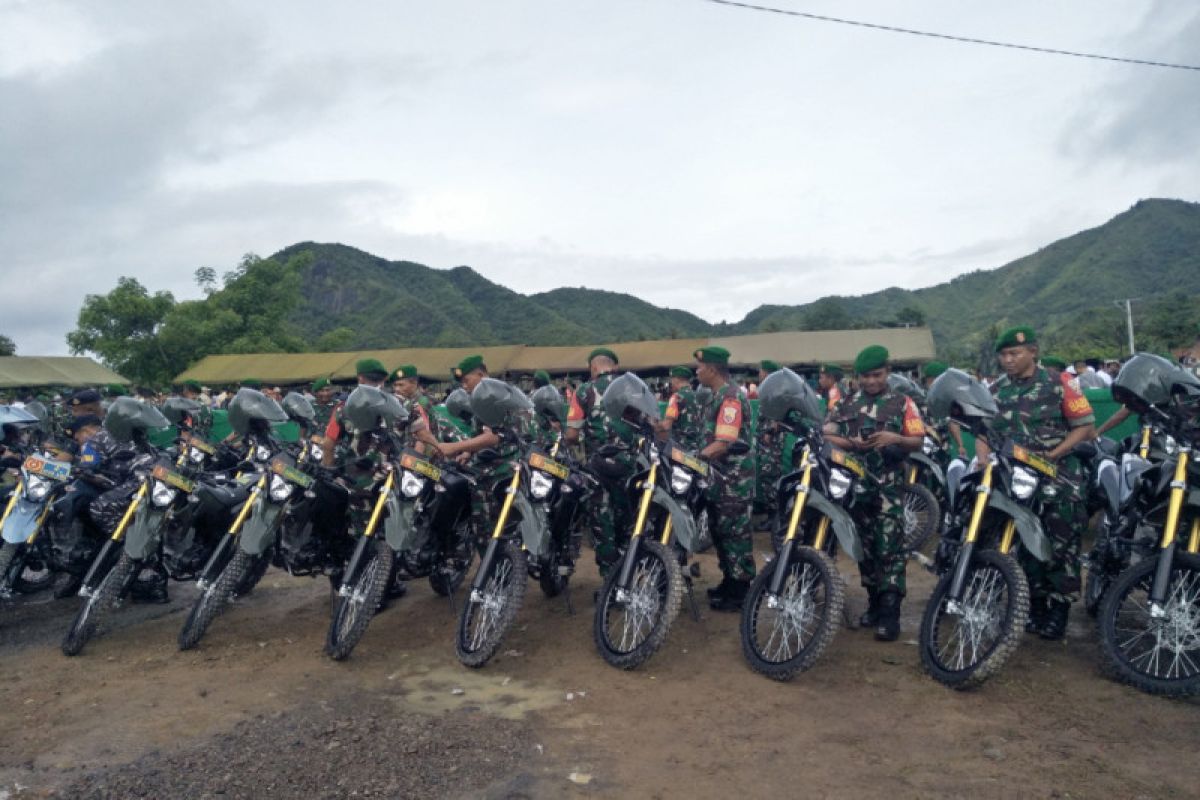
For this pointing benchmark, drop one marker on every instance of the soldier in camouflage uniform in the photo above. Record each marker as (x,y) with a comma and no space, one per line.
(768,442)
(609,516)
(323,403)
(406,384)
(832,389)
(883,426)
(457,423)
(202,420)
(684,419)
(1049,415)
(728,445)
(546,425)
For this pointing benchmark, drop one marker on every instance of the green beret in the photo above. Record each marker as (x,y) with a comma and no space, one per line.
(541,378)
(115,390)
(469,364)
(933,369)
(871,358)
(681,372)
(1054,362)
(370,366)
(603,351)
(833,369)
(251,383)
(194,386)
(319,384)
(1022,334)
(769,366)
(712,355)
(405,371)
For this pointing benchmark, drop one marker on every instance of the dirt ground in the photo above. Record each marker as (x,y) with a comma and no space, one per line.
(258,711)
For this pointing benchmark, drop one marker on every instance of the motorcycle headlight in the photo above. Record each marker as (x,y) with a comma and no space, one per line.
(411,485)
(681,480)
(36,487)
(315,452)
(280,489)
(262,453)
(929,447)
(1024,483)
(195,455)
(540,485)
(1170,446)
(839,483)
(162,495)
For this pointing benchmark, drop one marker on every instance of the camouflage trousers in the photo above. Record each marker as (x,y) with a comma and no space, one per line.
(1063,519)
(880,520)
(730,501)
(770,468)
(486,499)
(609,518)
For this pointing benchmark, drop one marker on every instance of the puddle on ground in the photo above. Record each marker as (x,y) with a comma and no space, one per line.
(437,689)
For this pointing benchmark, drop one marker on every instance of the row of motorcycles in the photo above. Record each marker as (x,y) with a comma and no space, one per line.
(221,517)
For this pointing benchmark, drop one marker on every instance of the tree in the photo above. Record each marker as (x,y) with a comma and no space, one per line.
(910,315)
(121,328)
(206,279)
(827,314)
(336,341)
(7,346)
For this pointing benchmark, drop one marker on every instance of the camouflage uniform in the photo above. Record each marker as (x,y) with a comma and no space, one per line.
(1038,413)
(450,428)
(609,516)
(731,494)
(687,419)
(424,406)
(768,445)
(324,413)
(490,474)
(878,510)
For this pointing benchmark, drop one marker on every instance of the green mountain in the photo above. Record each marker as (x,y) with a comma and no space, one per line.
(622,315)
(1148,252)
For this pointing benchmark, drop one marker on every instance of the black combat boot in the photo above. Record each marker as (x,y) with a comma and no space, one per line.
(1055,625)
(1037,615)
(870,617)
(888,629)
(733,597)
(719,590)
(66,585)
(151,589)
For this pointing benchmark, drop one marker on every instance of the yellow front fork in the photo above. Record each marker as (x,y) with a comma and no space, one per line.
(644,506)
(502,520)
(12,502)
(981,500)
(822,534)
(1194,539)
(801,496)
(382,501)
(1178,490)
(1144,449)
(1006,541)
(133,504)
(245,512)
(912,474)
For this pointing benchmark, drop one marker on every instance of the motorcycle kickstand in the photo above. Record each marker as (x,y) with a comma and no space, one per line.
(687,583)
(567,597)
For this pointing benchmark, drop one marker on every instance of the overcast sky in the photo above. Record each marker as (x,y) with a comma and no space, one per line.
(699,156)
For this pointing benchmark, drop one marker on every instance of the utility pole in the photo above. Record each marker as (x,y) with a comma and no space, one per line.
(1127,304)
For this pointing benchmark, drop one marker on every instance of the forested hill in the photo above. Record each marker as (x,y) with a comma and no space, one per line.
(358,300)
(1066,289)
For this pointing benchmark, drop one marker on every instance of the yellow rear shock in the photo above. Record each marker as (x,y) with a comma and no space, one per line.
(502,520)
(801,496)
(644,507)
(981,501)
(133,504)
(380,503)
(1178,489)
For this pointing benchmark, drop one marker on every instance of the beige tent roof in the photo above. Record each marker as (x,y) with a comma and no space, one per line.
(907,345)
(35,371)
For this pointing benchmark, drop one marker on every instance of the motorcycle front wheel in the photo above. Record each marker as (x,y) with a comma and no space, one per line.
(491,610)
(353,612)
(213,599)
(632,624)
(1156,650)
(103,600)
(965,643)
(786,634)
(27,580)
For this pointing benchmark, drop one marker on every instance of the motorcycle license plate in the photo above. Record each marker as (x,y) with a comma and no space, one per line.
(1041,464)
(420,466)
(54,470)
(291,474)
(844,459)
(549,466)
(172,478)
(689,461)
(201,445)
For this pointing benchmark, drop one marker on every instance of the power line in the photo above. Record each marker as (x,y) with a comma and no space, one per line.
(964,39)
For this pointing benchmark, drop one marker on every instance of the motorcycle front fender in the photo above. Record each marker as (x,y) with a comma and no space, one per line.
(534,526)
(144,533)
(1033,536)
(400,525)
(682,520)
(843,525)
(22,522)
(258,531)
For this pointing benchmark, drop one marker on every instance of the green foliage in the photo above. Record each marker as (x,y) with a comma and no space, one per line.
(336,341)
(7,346)
(121,327)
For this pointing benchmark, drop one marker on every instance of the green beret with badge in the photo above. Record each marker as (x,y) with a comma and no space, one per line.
(468,365)
(934,368)
(834,370)
(681,372)
(712,355)
(870,359)
(193,386)
(1054,362)
(405,371)
(1013,337)
(319,384)
(603,351)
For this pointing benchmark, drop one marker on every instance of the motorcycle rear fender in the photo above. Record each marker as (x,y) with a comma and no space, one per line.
(683,522)
(145,532)
(1033,537)
(843,525)
(22,522)
(930,465)
(258,531)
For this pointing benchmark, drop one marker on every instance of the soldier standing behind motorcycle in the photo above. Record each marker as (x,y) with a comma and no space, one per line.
(683,420)
(884,426)
(768,444)
(406,384)
(727,445)
(1049,416)
(610,516)
(829,380)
